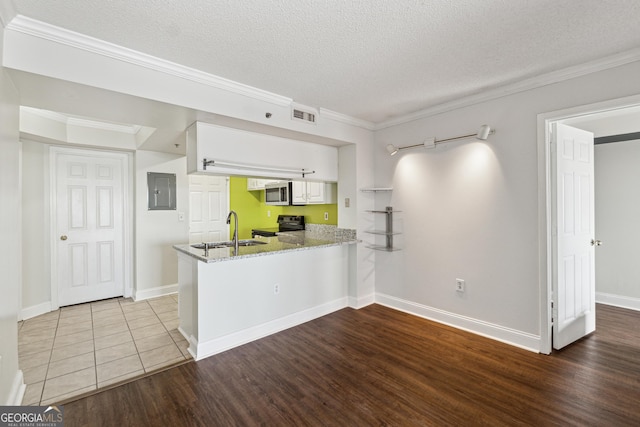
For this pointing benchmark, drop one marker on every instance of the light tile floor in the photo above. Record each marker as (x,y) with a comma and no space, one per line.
(85,347)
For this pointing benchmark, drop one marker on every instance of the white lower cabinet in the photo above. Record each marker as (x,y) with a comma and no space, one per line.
(309,193)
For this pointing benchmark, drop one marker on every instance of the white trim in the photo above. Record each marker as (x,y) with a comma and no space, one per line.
(128,202)
(21,212)
(541,80)
(18,387)
(509,336)
(227,342)
(184,334)
(77,121)
(35,310)
(32,27)
(193,344)
(343,118)
(362,302)
(545,213)
(618,301)
(129,214)
(159,291)
(52,206)
(29,26)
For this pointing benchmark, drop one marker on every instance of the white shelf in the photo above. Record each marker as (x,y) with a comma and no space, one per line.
(382,232)
(387,232)
(382,248)
(375,189)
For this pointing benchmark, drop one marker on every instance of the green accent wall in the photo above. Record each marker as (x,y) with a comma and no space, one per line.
(253,212)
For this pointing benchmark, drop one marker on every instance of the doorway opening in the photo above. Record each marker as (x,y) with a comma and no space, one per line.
(548,213)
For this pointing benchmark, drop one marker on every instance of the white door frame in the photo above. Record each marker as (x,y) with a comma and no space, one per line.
(546,177)
(128,216)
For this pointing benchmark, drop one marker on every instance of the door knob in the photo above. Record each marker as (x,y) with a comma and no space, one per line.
(595,242)
(63,237)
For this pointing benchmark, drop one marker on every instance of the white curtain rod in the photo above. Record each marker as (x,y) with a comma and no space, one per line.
(206,163)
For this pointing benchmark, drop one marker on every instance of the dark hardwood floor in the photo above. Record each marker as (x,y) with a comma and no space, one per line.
(378,366)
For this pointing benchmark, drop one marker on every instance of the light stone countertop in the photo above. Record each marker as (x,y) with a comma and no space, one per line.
(282,242)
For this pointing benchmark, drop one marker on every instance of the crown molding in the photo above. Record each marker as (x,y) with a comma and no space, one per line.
(82,122)
(343,118)
(520,86)
(29,26)
(112,127)
(66,37)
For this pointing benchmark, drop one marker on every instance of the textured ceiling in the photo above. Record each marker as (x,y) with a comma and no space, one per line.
(370,59)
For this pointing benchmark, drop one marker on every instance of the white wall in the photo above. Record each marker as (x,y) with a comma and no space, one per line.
(11,383)
(156,263)
(36,271)
(471,209)
(617,205)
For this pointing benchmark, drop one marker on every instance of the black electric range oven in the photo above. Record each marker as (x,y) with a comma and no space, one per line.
(285,223)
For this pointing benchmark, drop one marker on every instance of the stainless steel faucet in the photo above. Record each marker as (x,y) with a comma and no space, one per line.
(235,232)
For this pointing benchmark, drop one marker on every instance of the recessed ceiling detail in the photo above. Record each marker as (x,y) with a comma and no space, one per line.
(70,129)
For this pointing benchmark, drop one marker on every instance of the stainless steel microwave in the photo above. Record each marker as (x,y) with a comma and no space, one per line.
(278,193)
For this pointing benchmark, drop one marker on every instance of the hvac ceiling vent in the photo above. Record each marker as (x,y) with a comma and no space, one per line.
(305,114)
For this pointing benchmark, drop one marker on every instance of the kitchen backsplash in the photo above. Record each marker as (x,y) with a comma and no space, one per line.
(254,213)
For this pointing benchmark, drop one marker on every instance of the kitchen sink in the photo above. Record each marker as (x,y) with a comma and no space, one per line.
(217,245)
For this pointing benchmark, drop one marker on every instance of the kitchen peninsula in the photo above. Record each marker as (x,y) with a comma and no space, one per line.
(228,299)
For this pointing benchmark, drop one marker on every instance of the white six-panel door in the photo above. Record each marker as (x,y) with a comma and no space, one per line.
(88,222)
(208,208)
(574,290)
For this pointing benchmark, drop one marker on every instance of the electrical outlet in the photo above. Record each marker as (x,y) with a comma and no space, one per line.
(268,214)
(459,285)
(347,202)
(276,289)
(326,216)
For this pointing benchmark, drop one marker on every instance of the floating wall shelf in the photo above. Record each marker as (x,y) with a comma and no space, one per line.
(375,189)
(387,232)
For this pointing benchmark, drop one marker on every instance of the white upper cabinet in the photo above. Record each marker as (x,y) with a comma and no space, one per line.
(235,152)
(309,193)
(254,184)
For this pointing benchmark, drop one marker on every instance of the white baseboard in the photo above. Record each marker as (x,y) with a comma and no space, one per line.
(139,295)
(227,342)
(17,390)
(618,301)
(35,310)
(193,343)
(499,333)
(361,302)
